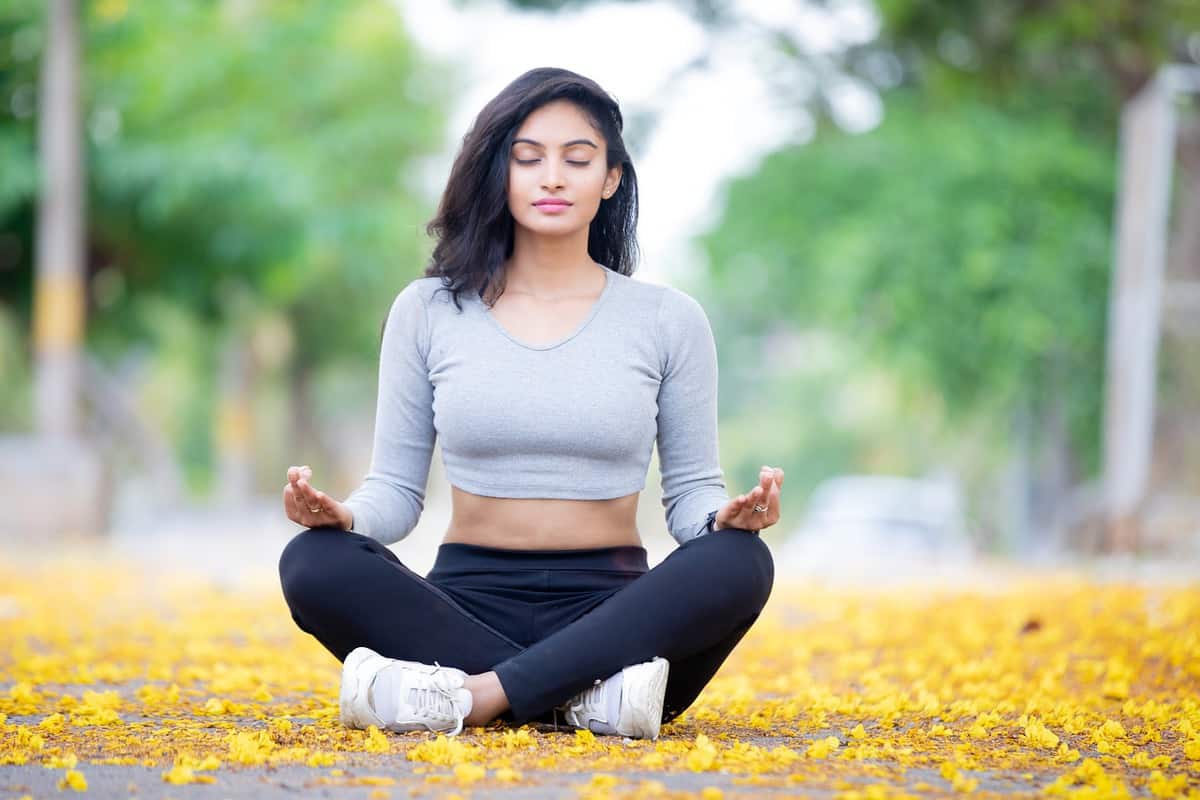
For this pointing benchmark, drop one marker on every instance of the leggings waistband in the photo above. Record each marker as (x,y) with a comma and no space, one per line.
(459,556)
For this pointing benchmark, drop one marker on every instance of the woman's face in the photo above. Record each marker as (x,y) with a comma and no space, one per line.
(558,155)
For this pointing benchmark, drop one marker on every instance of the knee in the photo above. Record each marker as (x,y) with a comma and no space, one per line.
(745,566)
(308,564)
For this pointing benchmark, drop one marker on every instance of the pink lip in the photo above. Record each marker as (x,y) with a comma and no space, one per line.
(543,203)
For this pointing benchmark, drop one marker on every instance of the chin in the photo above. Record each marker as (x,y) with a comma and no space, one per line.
(551,226)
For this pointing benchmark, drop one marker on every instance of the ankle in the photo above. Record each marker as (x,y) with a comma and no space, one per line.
(488,698)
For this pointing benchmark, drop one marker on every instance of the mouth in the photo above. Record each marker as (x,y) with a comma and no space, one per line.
(552,204)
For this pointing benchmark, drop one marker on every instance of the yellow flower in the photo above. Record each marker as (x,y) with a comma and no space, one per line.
(377,741)
(507,775)
(468,773)
(73,780)
(55,723)
(823,747)
(320,759)
(703,755)
(443,750)
(1162,786)
(180,774)
(250,747)
(1038,735)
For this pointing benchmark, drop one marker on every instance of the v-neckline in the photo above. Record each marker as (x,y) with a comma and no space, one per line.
(608,283)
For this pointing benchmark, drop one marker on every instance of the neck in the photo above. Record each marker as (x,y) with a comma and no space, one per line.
(548,266)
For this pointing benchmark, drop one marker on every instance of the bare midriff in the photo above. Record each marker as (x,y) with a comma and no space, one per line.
(542,524)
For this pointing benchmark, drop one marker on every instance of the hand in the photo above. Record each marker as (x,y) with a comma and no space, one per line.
(300,499)
(739,512)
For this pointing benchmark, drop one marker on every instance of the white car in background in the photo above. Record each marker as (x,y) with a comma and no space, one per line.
(880,526)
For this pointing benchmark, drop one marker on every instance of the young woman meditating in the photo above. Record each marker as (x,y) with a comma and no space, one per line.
(549,374)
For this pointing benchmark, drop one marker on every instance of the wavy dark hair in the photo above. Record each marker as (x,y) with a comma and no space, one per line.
(473,226)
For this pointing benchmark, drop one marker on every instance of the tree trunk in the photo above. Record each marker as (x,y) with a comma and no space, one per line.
(59,303)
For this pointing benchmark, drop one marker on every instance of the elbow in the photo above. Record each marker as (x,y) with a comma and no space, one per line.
(385,510)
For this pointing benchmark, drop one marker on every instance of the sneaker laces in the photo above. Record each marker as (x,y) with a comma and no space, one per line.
(593,694)
(436,701)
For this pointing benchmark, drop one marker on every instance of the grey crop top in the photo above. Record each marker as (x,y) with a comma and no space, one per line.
(576,418)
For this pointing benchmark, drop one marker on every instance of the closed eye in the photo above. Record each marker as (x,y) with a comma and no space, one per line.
(535,160)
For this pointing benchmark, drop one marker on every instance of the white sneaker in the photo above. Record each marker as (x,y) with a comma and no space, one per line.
(642,688)
(428,698)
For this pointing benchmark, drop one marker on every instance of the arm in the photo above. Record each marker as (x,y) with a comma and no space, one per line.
(388,503)
(688,451)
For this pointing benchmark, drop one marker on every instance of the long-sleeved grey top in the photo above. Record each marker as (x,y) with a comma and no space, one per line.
(576,418)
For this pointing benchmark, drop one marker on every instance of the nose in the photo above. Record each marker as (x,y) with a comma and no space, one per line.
(552,176)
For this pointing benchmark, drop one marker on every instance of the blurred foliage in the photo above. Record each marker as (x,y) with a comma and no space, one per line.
(962,248)
(253,175)
(241,156)
(959,246)
(1086,46)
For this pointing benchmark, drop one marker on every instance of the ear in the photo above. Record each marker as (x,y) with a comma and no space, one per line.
(612,181)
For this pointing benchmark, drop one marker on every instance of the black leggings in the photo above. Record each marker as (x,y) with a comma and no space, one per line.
(548,622)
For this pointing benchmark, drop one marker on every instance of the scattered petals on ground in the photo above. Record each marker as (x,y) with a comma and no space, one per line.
(1047,685)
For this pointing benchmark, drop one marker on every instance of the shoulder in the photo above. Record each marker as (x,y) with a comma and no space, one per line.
(418,296)
(420,289)
(664,303)
(679,311)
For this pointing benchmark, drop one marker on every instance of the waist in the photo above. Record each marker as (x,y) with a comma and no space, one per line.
(457,557)
(542,523)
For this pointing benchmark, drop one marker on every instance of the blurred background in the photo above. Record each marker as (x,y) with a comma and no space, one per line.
(950,250)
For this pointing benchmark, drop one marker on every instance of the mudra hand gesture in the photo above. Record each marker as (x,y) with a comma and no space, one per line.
(311,507)
(757,508)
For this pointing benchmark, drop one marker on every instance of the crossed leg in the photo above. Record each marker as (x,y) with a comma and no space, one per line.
(348,590)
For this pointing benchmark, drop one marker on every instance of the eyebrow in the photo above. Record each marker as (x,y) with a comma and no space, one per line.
(565,144)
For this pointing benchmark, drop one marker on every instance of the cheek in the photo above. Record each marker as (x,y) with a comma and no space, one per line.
(516,192)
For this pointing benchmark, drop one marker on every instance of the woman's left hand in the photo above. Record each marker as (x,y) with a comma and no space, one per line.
(739,512)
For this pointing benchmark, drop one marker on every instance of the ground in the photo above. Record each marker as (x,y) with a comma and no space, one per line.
(121,678)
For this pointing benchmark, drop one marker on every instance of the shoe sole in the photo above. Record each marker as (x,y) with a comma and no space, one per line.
(351,686)
(651,692)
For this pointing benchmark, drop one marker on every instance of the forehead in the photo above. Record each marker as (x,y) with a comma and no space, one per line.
(557,122)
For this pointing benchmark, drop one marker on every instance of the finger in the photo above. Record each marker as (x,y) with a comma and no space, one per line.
(306,490)
(755,498)
(293,474)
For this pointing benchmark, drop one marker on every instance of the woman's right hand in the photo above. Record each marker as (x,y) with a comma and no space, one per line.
(311,507)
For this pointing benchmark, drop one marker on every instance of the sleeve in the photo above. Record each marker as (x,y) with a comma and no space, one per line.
(688,450)
(388,503)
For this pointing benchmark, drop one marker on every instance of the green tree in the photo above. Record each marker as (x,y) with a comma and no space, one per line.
(248,161)
(960,247)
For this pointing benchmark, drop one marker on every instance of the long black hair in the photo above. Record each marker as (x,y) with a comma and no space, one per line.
(473,226)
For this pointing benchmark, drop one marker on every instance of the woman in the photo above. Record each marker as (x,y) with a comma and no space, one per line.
(549,374)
